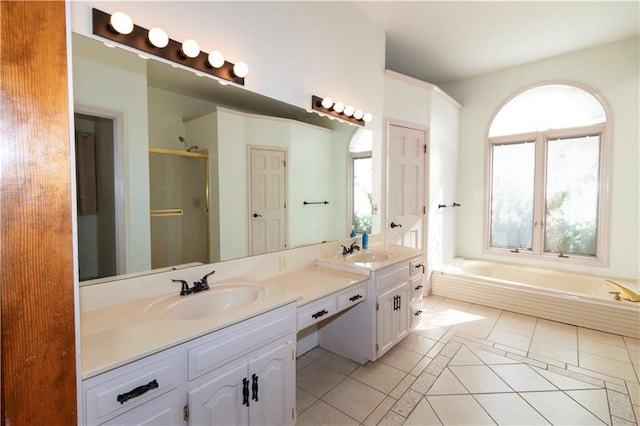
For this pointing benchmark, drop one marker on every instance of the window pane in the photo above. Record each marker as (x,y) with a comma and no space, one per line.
(362,194)
(572,195)
(512,195)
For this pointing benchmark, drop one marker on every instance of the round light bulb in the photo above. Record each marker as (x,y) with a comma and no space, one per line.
(216,59)
(367,117)
(241,69)
(348,110)
(190,48)
(327,103)
(357,114)
(338,107)
(158,37)
(121,22)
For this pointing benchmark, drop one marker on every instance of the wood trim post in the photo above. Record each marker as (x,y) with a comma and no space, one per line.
(38,355)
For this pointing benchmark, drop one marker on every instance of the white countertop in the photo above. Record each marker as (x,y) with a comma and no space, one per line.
(396,254)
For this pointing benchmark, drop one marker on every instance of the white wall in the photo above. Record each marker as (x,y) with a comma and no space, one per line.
(612,71)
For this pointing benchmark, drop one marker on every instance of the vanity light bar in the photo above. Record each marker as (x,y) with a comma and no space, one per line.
(339,110)
(181,53)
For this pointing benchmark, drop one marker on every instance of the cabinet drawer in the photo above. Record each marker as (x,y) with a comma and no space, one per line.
(352,296)
(392,276)
(417,287)
(115,393)
(316,311)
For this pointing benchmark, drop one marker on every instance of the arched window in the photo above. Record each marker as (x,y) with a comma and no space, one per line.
(546,174)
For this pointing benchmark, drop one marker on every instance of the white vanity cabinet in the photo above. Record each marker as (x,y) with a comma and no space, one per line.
(241,374)
(393,308)
(416,271)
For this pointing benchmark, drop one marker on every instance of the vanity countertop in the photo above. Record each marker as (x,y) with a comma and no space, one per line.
(315,282)
(122,333)
(395,254)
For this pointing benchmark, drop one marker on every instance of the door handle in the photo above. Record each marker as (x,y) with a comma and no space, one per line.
(254,387)
(245,392)
(395,225)
(257,215)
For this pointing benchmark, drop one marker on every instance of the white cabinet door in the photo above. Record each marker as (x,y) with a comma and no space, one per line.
(221,401)
(393,317)
(272,377)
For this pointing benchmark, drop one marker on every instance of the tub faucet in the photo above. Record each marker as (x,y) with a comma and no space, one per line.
(561,253)
(626,293)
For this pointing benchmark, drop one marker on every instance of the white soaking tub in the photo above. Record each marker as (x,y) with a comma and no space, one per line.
(581,300)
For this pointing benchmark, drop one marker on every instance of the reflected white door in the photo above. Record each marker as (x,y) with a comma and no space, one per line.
(268,200)
(406,186)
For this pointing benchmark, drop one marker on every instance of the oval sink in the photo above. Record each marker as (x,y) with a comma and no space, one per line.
(212,302)
(370,256)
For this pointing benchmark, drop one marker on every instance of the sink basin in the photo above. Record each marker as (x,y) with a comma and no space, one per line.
(370,256)
(212,302)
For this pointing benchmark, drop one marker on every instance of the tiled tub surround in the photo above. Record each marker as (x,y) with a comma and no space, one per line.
(582,300)
(470,364)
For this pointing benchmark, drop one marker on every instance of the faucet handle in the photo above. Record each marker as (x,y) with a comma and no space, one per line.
(345,250)
(185,287)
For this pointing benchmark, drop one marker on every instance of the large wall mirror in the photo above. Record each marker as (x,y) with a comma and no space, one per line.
(175,169)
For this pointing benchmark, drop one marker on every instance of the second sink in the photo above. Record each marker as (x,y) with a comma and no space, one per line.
(370,256)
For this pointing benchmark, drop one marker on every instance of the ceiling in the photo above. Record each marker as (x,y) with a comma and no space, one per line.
(443,41)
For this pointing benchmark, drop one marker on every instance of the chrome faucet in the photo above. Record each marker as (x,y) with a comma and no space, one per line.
(198,286)
(625,293)
(346,251)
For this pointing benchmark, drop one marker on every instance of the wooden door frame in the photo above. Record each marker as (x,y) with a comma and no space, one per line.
(399,123)
(38,307)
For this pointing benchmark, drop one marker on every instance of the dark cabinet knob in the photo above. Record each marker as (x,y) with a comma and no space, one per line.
(395,225)
(257,215)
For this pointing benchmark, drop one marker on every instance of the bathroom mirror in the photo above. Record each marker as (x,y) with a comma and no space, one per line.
(126,105)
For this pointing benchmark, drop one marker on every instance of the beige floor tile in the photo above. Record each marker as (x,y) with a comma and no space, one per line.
(511,322)
(402,387)
(546,360)
(304,400)
(465,357)
(423,415)
(491,356)
(553,351)
(620,405)
(459,410)
(447,384)
(605,350)
(489,315)
(316,352)
(417,343)
(322,414)
(635,356)
(401,358)
(510,409)
(509,339)
(379,376)
(521,378)
(380,411)
(479,379)
(318,379)
(424,382)
(430,302)
(452,305)
(420,366)
(564,382)
(435,350)
(302,361)
(474,329)
(594,400)
(560,409)
(407,402)
(586,334)
(354,398)
(430,331)
(392,419)
(634,392)
(438,364)
(556,333)
(343,365)
(607,366)
(632,343)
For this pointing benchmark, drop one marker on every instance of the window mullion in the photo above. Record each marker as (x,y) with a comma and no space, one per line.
(538,203)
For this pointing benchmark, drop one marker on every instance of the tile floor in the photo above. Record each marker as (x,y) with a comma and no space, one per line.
(467,364)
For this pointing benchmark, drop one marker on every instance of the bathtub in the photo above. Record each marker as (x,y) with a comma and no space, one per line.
(581,300)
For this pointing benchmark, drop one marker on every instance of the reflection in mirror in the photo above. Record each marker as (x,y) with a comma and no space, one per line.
(150,106)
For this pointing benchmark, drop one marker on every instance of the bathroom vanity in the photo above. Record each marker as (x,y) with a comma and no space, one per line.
(171,359)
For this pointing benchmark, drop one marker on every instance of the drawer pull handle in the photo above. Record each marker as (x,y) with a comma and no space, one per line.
(354,298)
(418,313)
(319,314)
(124,397)
(254,387)
(245,392)
(419,287)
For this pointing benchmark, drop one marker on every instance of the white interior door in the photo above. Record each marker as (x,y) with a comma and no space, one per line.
(406,208)
(268,200)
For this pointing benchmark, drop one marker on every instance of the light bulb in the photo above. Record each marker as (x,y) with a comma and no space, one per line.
(327,103)
(367,117)
(241,69)
(216,59)
(357,114)
(158,37)
(190,48)
(338,107)
(348,110)
(121,22)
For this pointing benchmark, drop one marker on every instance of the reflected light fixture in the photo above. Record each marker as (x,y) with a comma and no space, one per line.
(121,23)
(120,28)
(338,110)
(158,37)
